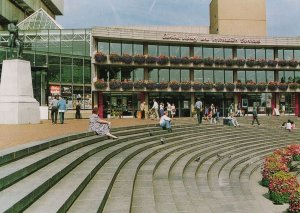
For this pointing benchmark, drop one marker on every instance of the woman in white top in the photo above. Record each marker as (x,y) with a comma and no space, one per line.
(173,110)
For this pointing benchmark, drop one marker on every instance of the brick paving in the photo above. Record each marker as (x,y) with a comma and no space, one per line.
(12,135)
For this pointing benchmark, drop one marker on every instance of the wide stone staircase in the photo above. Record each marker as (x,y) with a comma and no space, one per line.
(196,168)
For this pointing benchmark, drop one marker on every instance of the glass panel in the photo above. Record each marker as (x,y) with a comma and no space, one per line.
(270,76)
(152,50)
(241,76)
(29,57)
(281,76)
(54,73)
(250,75)
(40,60)
(250,53)
(175,51)
(103,47)
(228,53)
(127,73)
(127,49)
(175,75)
(208,52)
(163,75)
(288,54)
(260,53)
(280,54)
(261,76)
(185,75)
(240,53)
(219,76)
(270,54)
(87,71)
(198,75)
(79,47)
(67,41)
(102,71)
(138,74)
(198,51)
(218,52)
(228,76)
(115,48)
(138,49)
(54,41)
(115,73)
(297,54)
(153,75)
(66,74)
(289,76)
(208,75)
(297,76)
(185,51)
(163,50)
(78,71)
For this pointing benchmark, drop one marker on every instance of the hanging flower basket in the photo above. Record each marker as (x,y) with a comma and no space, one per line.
(272,63)
(219,61)
(272,85)
(293,63)
(174,85)
(250,62)
(208,61)
(100,84)
(251,86)
(197,85)
(261,62)
(127,84)
(293,86)
(185,60)
(219,86)
(139,59)
(100,57)
(282,63)
(185,85)
(162,85)
(114,58)
(240,62)
(196,60)
(139,84)
(115,84)
(229,86)
(150,59)
(162,60)
(127,59)
(283,86)
(208,85)
(230,62)
(175,60)
(262,86)
(240,86)
(150,84)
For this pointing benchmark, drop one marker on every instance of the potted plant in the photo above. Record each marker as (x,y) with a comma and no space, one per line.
(115,84)
(150,59)
(219,61)
(185,60)
(208,61)
(272,85)
(282,63)
(114,58)
(230,62)
(239,85)
(140,84)
(162,85)
(293,63)
(100,57)
(251,86)
(272,63)
(150,84)
(240,62)
(208,85)
(293,85)
(197,85)
(174,85)
(282,86)
(126,58)
(175,60)
(196,60)
(261,62)
(185,85)
(162,59)
(100,84)
(229,86)
(219,86)
(139,59)
(250,62)
(262,86)
(127,84)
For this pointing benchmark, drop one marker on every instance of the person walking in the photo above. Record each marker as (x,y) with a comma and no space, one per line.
(142,108)
(161,109)
(101,127)
(169,109)
(62,108)
(155,108)
(77,114)
(54,110)
(173,110)
(255,117)
(198,108)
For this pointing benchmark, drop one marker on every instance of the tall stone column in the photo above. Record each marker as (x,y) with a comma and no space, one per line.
(17,104)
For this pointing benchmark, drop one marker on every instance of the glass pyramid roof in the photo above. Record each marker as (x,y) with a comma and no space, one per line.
(40,20)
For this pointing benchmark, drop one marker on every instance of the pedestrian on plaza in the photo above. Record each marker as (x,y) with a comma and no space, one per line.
(101,127)
(198,109)
(62,108)
(54,110)
(77,114)
(169,109)
(155,108)
(230,109)
(165,122)
(255,117)
(217,114)
(142,108)
(173,110)
(161,109)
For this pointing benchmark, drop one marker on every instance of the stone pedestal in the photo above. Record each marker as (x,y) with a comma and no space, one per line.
(17,105)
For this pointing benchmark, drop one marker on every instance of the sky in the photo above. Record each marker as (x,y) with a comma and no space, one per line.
(283,16)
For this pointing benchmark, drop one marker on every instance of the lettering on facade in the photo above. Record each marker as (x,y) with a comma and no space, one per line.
(187,37)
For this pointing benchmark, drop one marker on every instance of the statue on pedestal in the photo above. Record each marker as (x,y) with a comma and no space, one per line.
(14,40)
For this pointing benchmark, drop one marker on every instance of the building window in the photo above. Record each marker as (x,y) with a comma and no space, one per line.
(250,53)
(240,53)
(127,73)
(103,47)
(78,71)
(153,75)
(289,76)
(152,50)
(281,76)
(297,76)
(87,72)
(163,50)
(218,52)
(127,48)
(241,76)
(184,51)
(198,51)
(66,70)
(185,75)
(228,53)
(219,76)
(208,75)
(175,75)
(261,76)
(115,48)
(280,54)
(260,53)
(163,75)
(175,51)
(270,54)
(138,49)
(250,76)
(288,54)
(115,73)
(102,73)
(228,76)
(138,74)
(198,75)
(208,52)
(270,76)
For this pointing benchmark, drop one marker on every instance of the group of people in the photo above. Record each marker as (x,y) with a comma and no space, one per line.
(289,125)
(159,110)
(211,113)
(58,106)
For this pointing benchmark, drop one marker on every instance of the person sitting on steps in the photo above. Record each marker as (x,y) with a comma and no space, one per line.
(165,122)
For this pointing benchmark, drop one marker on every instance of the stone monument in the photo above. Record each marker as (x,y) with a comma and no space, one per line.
(17,104)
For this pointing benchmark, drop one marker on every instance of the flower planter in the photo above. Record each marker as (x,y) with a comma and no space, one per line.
(293,86)
(282,86)
(240,86)
(219,86)
(272,63)
(162,60)
(150,59)
(162,85)
(229,86)
(219,61)
(185,60)
(282,63)
(272,86)
(208,85)
(196,60)
(240,62)
(115,84)
(175,60)
(139,84)
(114,58)
(100,84)
(139,59)
(261,62)
(230,62)
(208,61)
(293,63)
(250,62)
(100,57)
(251,86)
(127,85)
(262,86)
(127,59)
(150,85)
(197,85)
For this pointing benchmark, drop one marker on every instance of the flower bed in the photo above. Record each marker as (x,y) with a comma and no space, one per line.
(229,86)
(100,84)
(115,84)
(208,85)
(127,84)
(185,85)
(175,60)
(219,86)
(100,57)
(139,84)
(196,60)
(197,85)
(208,61)
(150,84)
(139,59)
(295,202)
(127,59)
(174,85)
(150,59)
(114,58)
(162,59)
(295,151)
(272,85)
(262,86)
